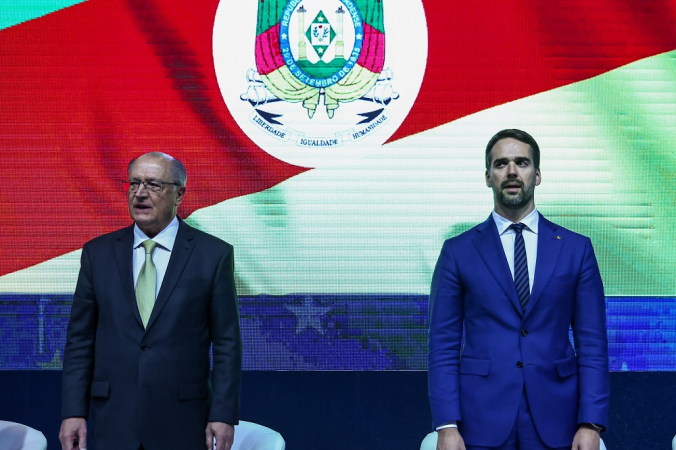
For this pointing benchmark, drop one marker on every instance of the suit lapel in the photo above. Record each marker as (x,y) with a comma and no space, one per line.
(179,257)
(124,254)
(549,249)
(489,246)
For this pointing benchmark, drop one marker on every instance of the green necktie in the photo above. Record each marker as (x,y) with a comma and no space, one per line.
(146,283)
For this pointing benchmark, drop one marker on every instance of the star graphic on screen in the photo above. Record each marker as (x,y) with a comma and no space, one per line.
(285,36)
(308,315)
(359,36)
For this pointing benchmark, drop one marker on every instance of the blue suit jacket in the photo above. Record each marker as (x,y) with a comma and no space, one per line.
(151,385)
(506,351)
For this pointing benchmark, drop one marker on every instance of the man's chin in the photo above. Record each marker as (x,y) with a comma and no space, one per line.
(512,200)
(141,219)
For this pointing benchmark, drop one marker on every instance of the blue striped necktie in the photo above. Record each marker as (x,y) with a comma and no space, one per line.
(521,266)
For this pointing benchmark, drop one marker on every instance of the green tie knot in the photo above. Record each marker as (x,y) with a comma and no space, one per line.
(149,245)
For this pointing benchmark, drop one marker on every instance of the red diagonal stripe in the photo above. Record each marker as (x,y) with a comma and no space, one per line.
(84,90)
(483,54)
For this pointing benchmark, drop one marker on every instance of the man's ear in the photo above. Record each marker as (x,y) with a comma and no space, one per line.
(489,183)
(538,177)
(179,196)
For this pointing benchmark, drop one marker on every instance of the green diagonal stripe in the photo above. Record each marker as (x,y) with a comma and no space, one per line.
(13,12)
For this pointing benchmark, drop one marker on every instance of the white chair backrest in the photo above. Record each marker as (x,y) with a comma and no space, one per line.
(251,436)
(430,442)
(673,444)
(14,436)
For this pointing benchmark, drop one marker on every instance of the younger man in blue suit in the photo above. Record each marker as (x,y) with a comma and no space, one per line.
(517,282)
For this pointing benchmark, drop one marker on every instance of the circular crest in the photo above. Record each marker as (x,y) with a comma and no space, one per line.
(319,82)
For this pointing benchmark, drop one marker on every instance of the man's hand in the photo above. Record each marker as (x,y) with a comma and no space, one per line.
(73,434)
(586,439)
(450,439)
(223,433)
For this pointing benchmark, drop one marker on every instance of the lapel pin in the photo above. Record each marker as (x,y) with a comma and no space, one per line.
(558,237)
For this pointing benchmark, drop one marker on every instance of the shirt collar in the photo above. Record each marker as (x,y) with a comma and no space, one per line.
(531,221)
(164,238)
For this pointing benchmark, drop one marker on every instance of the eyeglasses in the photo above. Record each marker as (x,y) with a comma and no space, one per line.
(151,186)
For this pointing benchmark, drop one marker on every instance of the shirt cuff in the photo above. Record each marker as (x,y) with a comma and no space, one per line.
(447,425)
(594,426)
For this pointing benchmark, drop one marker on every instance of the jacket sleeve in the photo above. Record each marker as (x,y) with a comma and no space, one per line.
(78,357)
(227,344)
(446,313)
(591,342)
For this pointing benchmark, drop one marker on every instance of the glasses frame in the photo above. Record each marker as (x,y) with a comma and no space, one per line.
(126,185)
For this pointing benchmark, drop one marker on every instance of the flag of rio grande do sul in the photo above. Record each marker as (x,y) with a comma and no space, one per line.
(88,86)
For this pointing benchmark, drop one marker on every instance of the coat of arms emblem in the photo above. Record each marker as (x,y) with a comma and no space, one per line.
(307,51)
(320,76)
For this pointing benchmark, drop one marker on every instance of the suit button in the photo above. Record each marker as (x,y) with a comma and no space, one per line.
(524,333)
(144,347)
(519,364)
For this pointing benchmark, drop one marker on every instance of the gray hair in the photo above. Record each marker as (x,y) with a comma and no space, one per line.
(178,172)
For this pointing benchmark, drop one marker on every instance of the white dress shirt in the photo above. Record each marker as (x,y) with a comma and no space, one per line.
(165,243)
(507,236)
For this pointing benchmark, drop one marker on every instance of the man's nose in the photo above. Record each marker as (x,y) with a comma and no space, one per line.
(141,191)
(511,169)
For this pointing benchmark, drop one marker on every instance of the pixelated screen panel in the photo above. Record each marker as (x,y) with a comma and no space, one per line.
(337,228)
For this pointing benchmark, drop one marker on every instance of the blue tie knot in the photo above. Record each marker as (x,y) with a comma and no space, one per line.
(517,227)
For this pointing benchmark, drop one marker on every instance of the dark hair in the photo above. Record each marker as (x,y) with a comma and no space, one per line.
(519,135)
(177,168)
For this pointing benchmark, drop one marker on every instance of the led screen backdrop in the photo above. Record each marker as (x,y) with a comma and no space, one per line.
(336,144)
